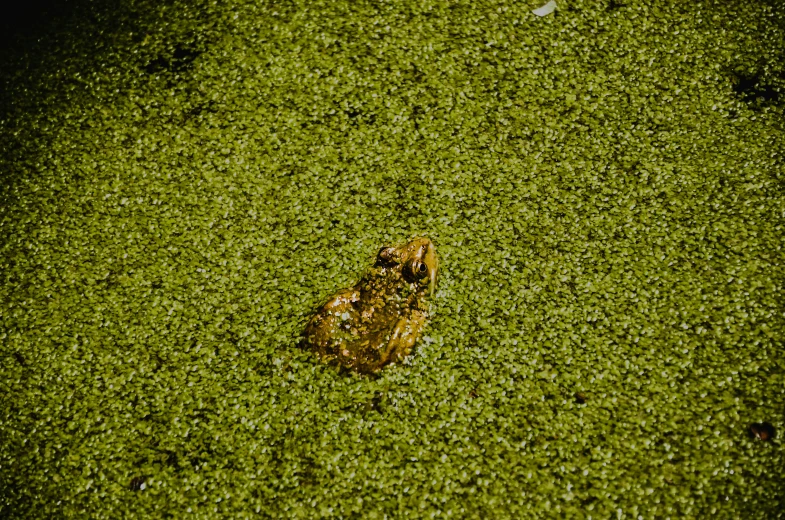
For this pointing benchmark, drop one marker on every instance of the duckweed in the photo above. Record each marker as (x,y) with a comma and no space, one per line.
(183,183)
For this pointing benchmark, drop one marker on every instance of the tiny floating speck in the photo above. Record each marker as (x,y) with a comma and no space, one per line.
(137,484)
(763,431)
(546,9)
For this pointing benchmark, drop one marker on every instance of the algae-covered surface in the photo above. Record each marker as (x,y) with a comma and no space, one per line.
(184,183)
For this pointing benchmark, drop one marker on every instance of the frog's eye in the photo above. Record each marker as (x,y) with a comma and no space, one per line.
(420,270)
(415,271)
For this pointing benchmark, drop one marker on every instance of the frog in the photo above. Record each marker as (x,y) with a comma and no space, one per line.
(377,322)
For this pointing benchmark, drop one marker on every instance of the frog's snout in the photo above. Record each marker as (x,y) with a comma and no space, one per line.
(432,262)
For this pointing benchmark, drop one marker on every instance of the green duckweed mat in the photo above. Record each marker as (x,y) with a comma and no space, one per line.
(183,183)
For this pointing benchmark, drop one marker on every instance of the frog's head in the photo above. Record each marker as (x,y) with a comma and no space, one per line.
(419,262)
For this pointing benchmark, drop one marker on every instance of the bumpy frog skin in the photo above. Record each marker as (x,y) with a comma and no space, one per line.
(376,322)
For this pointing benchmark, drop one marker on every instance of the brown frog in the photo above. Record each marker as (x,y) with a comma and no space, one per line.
(377,321)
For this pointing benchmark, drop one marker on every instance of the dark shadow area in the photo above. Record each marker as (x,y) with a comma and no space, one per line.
(751,89)
(25,20)
(179,61)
